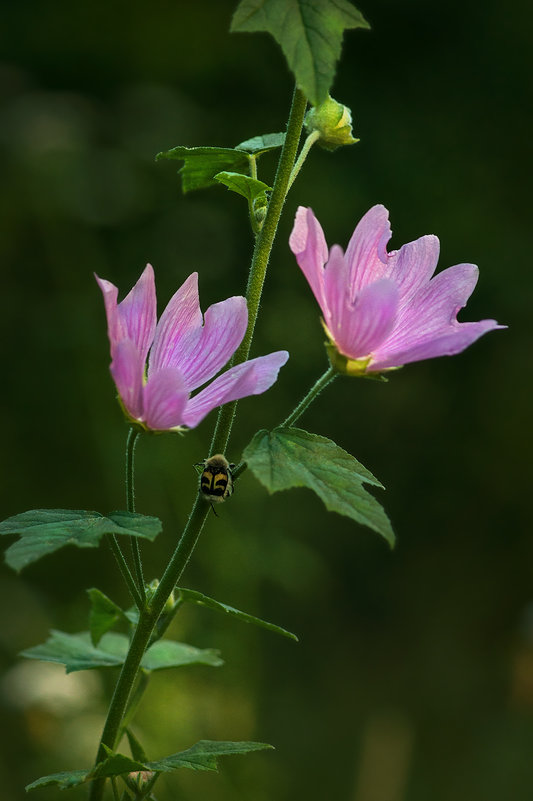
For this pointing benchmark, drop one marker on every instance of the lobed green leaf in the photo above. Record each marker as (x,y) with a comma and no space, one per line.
(310,35)
(203,163)
(210,603)
(64,780)
(290,457)
(43,531)
(77,652)
(204,754)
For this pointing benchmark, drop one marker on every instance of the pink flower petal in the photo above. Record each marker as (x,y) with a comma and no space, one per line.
(127,369)
(222,333)
(135,317)
(362,326)
(249,378)
(434,307)
(165,398)
(308,244)
(458,337)
(412,266)
(366,253)
(178,327)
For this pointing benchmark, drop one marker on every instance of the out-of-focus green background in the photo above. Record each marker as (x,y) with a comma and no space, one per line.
(413,679)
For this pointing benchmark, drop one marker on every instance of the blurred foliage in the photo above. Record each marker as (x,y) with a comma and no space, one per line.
(414,672)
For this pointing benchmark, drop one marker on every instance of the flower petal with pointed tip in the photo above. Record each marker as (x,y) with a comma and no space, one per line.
(250,378)
(165,398)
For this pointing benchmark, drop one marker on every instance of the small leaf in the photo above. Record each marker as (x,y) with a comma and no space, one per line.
(167,654)
(137,751)
(115,765)
(203,163)
(290,457)
(309,33)
(76,651)
(43,531)
(204,754)
(250,188)
(64,780)
(204,600)
(262,144)
(104,614)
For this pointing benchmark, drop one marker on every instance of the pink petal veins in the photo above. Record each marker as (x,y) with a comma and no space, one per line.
(250,378)
(127,369)
(165,398)
(222,333)
(363,325)
(308,244)
(179,326)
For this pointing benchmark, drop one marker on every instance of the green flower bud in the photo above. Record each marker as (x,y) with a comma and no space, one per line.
(333,122)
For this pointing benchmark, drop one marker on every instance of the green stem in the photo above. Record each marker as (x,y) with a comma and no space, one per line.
(304,152)
(315,390)
(125,570)
(151,612)
(262,250)
(133,703)
(133,436)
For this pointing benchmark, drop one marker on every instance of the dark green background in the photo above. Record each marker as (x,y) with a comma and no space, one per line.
(413,679)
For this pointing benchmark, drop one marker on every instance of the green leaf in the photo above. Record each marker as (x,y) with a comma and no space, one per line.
(250,188)
(201,756)
(76,652)
(167,654)
(204,754)
(115,765)
(203,163)
(309,33)
(290,457)
(43,531)
(262,144)
(64,780)
(104,614)
(204,600)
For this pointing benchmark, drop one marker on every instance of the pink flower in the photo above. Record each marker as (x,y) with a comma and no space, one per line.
(156,365)
(382,310)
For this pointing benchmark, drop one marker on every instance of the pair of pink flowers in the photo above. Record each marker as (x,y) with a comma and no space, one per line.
(380,310)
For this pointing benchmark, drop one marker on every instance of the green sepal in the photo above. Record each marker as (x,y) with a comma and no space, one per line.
(310,35)
(137,751)
(203,600)
(76,652)
(43,531)
(290,457)
(250,188)
(103,616)
(203,163)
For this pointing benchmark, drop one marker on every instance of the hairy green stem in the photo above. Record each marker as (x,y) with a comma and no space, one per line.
(133,436)
(315,390)
(261,256)
(153,609)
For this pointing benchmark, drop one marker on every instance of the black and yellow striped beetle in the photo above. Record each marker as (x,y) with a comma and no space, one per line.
(216,480)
